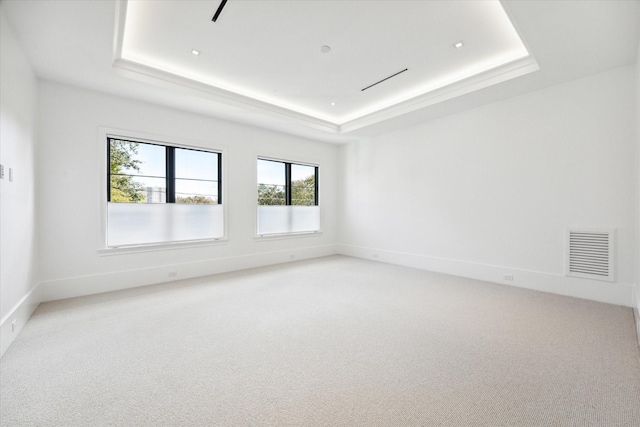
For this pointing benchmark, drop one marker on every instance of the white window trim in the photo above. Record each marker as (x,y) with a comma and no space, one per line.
(106,132)
(292,235)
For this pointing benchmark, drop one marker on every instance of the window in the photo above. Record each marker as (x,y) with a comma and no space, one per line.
(287,197)
(161,193)
(141,172)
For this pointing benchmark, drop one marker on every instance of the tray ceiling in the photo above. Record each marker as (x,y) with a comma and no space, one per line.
(332,65)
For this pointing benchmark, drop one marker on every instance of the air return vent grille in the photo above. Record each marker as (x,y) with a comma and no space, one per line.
(590,254)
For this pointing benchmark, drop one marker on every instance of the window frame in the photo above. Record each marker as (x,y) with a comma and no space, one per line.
(170,168)
(107,133)
(287,180)
(317,202)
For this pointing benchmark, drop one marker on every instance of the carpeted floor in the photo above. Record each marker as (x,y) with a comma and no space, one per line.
(335,341)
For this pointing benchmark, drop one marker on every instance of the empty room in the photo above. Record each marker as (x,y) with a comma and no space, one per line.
(319,213)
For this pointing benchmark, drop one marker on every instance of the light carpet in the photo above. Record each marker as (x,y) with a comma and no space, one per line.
(335,341)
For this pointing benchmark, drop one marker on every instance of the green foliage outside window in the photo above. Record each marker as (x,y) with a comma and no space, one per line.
(123,188)
(302,193)
(197,200)
(271,195)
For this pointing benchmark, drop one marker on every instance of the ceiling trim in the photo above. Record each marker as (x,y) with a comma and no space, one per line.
(172,81)
(471,84)
(158,77)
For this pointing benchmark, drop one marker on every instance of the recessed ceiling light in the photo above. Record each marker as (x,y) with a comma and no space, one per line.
(333,103)
(458,45)
(325,49)
(196,52)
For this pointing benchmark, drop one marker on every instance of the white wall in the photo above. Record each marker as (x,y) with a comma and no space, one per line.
(18,265)
(637,287)
(491,190)
(70,193)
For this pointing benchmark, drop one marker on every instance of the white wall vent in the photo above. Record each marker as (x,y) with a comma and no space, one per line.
(590,254)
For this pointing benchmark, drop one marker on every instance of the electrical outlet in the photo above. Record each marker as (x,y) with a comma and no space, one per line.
(1,171)
(172,273)
(508,277)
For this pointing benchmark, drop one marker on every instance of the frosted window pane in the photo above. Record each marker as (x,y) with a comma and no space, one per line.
(288,219)
(136,224)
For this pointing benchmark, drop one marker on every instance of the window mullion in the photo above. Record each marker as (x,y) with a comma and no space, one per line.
(287,183)
(171,175)
(109,169)
(219,179)
(315,184)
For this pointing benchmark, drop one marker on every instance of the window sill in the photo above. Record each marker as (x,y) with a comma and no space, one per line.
(280,236)
(156,247)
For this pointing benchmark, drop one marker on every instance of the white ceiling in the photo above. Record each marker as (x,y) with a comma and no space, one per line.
(261,62)
(270,53)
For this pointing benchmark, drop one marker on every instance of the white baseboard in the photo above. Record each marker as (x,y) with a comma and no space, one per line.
(13,322)
(113,281)
(118,280)
(612,293)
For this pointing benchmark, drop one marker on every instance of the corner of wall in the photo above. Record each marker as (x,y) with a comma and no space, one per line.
(636,299)
(12,324)
(607,292)
(636,310)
